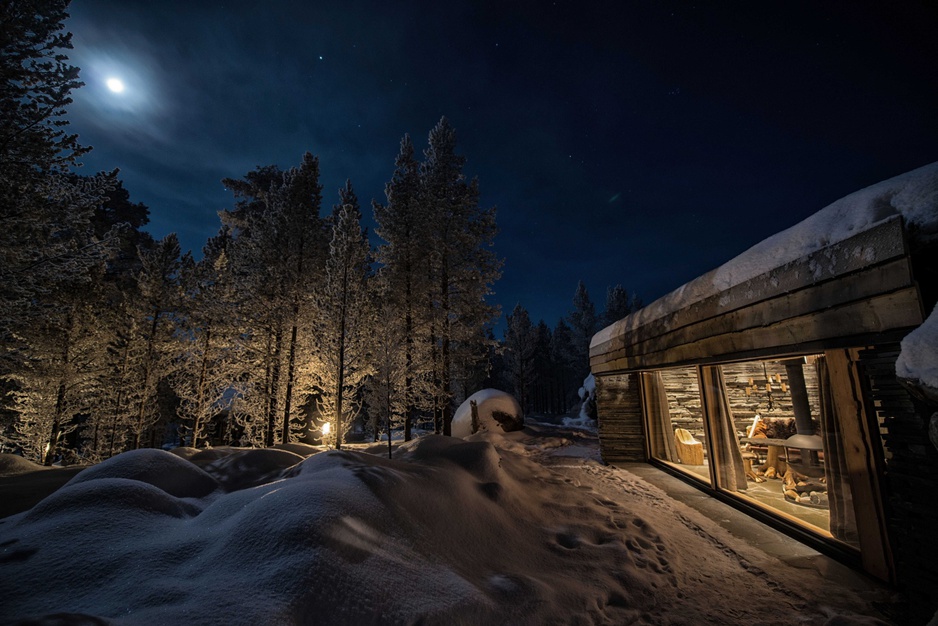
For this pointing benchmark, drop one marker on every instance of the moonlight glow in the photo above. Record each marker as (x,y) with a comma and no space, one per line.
(115,84)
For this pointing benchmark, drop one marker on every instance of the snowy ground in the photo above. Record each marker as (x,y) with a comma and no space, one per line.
(523,528)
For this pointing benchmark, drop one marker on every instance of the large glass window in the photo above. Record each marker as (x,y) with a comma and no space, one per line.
(771,436)
(675,419)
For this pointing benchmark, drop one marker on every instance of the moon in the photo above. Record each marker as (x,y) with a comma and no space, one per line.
(115,84)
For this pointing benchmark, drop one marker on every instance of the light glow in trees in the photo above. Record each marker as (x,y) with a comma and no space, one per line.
(344,320)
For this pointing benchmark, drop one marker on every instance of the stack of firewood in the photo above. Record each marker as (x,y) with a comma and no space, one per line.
(803,489)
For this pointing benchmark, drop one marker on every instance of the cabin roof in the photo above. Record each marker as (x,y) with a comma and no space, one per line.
(842,273)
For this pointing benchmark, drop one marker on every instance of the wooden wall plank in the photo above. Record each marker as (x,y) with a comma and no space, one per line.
(621,424)
(863,285)
(901,309)
(867,249)
(862,462)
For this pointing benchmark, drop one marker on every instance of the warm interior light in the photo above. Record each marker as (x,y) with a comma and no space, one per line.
(326,428)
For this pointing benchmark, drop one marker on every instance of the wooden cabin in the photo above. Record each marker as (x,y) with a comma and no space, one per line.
(779,395)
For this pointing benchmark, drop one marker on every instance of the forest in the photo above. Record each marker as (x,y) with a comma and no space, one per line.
(293,324)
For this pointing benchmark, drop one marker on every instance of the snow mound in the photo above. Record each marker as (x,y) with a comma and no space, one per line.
(917,364)
(447,532)
(913,195)
(164,470)
(582,422)
(241,469)
(303,449)
(185,452)
(14,465)
(498,411)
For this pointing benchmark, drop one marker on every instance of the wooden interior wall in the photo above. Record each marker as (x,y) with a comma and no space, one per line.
(911,478)
(621,425)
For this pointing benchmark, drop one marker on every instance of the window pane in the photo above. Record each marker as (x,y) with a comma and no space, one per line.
(788,437)
(675,419)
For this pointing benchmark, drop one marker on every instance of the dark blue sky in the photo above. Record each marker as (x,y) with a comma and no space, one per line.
(640,143)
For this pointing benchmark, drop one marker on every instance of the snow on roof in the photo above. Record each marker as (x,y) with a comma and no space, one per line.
(913,195)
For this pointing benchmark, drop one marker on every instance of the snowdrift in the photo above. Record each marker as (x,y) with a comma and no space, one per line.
(14,465)
(448,532)
(498,412)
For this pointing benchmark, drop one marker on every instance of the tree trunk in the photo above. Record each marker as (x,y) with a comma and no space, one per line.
(274,383)
(387,392)
(56,430)
(200,392)
(446,408)
(291,367)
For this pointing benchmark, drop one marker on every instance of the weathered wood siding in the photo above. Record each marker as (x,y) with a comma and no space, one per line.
(621,426)
(911,478)
(857,288)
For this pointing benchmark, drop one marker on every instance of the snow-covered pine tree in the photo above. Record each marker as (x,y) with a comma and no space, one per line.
(520,344)
(387,389)
(462,266)
(563,354)
(253,261)
(38,200)
(344,320)
(50,257)
(106,431)
(210,362)
(403,225)
(63,345)
(156,322)
(618,305)
(36,87)
(278,257)
(544,371)
(583,326)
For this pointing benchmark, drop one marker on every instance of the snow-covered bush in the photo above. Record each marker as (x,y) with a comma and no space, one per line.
(587,395)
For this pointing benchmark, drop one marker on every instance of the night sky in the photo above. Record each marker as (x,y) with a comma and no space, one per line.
(641,143)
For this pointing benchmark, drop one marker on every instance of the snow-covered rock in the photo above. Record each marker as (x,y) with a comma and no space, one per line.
(498,411)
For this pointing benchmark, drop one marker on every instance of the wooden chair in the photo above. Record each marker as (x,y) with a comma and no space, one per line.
(689,450)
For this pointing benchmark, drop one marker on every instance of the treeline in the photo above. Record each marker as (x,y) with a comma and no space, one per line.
(290,326)
(544,368)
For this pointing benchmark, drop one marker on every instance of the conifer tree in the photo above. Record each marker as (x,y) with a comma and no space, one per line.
(278,257)
(344,320)
(563,353)
(36,87)
(520,346)
(387,390)
(617,305)
(211,357)
(155,321)
(403,225)
(50,258)
(544,371)
(461,266)
(583,326)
